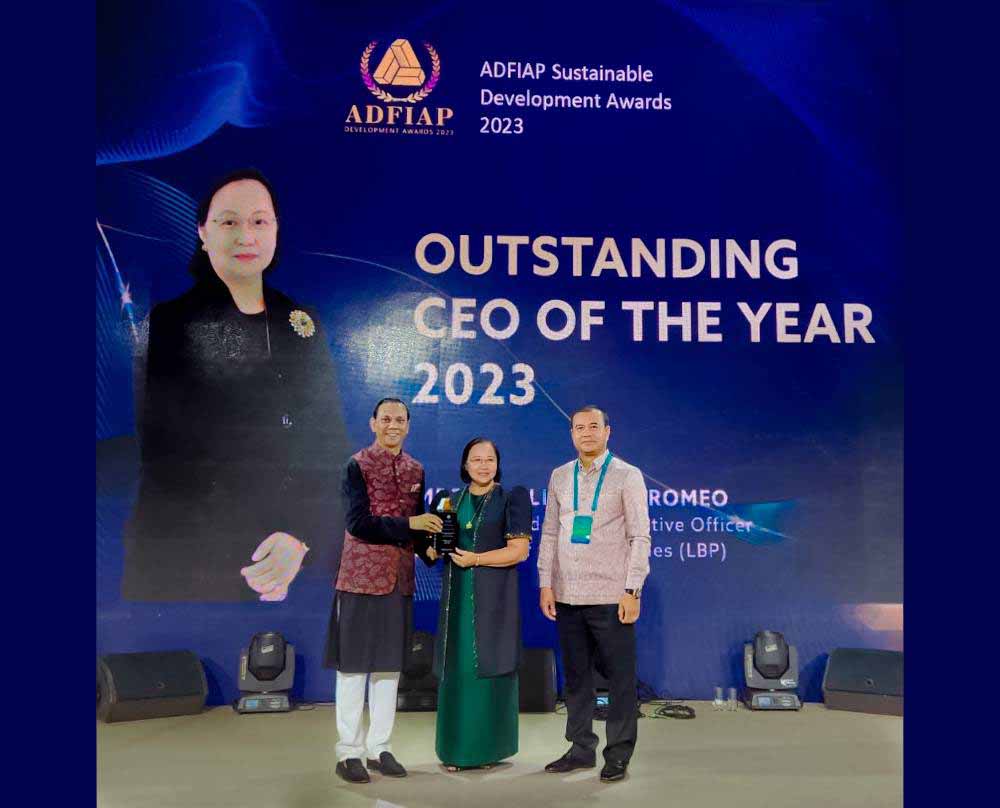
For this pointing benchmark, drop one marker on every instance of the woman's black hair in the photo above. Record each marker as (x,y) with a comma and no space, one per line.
(465,457)
(200,266)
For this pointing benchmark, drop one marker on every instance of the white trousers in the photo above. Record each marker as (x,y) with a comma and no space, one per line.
(350,698)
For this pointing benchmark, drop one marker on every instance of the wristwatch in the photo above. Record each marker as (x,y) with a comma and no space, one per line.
(635,593)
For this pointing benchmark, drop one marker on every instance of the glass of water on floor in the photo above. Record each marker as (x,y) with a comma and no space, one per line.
(717,702)
(732,702)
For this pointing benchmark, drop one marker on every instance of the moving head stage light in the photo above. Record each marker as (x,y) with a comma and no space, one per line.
(771,668)
(267,668)
(418,686)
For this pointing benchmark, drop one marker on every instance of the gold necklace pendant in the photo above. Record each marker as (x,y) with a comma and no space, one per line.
(482,502)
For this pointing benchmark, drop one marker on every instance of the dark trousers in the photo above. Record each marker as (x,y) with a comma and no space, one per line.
(586,633)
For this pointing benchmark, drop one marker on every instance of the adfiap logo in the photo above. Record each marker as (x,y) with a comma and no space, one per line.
(400,67)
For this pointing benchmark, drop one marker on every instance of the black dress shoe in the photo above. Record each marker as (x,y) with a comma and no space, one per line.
(568,763)
(613,770)
(387,765)
(352,771)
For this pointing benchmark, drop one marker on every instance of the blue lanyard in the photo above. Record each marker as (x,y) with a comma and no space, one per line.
(597,491)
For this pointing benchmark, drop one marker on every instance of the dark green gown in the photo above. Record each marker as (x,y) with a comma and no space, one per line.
(476,717)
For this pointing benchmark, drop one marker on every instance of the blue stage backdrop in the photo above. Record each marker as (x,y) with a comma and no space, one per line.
(685,212)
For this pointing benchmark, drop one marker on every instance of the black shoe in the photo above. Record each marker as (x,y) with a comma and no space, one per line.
(568,763)
(613,770)
(387,765)
(352,771)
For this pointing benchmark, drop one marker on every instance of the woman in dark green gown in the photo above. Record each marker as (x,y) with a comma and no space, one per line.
(479,629)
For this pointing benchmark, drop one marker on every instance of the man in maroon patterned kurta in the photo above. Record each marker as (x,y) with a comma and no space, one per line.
(372,619)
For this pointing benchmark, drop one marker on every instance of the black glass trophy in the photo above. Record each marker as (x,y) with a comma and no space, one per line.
(447,540)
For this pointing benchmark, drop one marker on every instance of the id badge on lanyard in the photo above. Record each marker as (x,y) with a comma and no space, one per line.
(584,523)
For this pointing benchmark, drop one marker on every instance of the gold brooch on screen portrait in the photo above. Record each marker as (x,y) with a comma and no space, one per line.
(302,323)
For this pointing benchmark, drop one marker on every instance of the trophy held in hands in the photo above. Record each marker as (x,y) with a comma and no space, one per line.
(447,540)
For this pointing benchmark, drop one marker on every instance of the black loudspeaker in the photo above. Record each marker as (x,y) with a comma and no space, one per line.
(536,681)
(864,681)
(154,684)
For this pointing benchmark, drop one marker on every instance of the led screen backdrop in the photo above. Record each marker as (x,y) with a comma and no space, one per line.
(687,213)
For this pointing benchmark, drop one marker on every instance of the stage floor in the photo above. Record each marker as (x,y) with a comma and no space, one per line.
(815,757)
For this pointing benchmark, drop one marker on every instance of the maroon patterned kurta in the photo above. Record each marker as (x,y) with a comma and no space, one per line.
(394,489)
